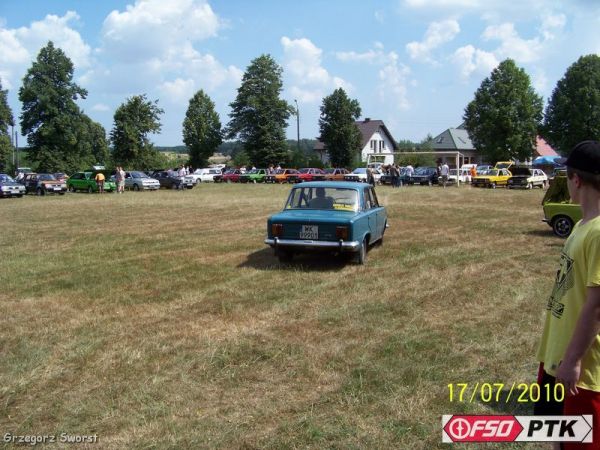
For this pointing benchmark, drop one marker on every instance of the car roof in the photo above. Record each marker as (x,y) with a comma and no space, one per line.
(333,184)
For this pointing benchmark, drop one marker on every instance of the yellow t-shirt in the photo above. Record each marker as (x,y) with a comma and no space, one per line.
(579,268)
(100,176)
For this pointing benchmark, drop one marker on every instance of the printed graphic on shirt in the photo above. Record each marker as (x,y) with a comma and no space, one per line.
(563,282)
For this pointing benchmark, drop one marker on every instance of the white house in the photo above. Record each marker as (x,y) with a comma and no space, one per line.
(376,138)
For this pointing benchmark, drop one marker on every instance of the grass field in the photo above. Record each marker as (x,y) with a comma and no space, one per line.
(161,320)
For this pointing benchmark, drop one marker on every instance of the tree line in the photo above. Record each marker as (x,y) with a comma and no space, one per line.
(503,120)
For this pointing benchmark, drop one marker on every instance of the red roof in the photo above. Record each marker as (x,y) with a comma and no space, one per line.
(543,149)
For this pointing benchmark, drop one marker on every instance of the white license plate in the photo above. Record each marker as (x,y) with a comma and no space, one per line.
(309,232)
(57,189)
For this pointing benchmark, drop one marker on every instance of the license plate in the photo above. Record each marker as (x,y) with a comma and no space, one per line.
(57,189)
(309,232)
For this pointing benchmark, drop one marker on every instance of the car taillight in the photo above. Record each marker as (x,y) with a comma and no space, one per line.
(277,229)
(341,233)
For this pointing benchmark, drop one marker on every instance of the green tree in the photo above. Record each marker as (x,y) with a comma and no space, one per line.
(201,129)
(258,116)
(134,121)
(573,111)
(338,130)
(50,118)
(504,117)
(6,121)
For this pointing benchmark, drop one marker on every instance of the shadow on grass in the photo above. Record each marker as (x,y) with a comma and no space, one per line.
(311,262)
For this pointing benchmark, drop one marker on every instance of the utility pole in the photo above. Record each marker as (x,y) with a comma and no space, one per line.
(297,124)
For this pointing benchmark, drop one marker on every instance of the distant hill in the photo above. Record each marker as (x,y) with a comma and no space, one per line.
(230,148)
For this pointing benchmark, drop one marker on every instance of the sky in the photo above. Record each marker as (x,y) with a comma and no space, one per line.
(415,64)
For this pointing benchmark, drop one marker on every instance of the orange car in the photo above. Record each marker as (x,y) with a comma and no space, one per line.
(282,176)
(335,174)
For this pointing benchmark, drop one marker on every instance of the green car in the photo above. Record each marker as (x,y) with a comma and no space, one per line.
(559,212)
(254,176)
(85,181)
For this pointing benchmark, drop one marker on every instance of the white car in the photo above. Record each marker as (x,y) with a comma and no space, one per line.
(137,181)
(464,176)
(360,174)
(205,175)
(527,177)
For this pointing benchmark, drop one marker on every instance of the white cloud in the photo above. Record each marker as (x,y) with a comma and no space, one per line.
(152,28)
(100,107)
(470,60)
(512,45)
(437,34)
(394,80)
(179,90)
(20,46)
(552,24)
(309,79)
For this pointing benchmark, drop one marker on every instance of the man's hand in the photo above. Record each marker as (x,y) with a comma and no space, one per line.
(568,375)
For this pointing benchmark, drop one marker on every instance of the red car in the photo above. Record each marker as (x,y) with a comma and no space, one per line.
(231,176)
(309,174)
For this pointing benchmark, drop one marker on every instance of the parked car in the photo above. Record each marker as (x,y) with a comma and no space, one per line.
(308,174)
(61,176)
(492,178)
(461,175)
(424,176)
(360,174)
(138,180)
(229,176)
(9,187)
(559,212)
(336,174)
(281,176)
(43,183)
(205,175)
(254,176)
(86,181)
(339,217)
(527,177)
(171,180)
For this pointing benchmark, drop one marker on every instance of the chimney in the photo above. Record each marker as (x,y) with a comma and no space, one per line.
(367,119)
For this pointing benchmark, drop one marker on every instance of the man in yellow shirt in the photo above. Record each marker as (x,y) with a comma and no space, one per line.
(569,351)
(100,182)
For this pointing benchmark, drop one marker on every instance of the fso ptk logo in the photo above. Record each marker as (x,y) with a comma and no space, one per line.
(517,428)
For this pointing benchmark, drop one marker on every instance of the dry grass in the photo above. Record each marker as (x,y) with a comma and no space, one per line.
(160,320)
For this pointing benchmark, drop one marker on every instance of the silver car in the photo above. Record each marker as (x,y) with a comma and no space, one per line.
(137,181)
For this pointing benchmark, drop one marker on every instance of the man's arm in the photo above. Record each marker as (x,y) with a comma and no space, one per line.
(586,330)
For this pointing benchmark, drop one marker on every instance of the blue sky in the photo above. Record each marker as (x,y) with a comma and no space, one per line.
(413,63)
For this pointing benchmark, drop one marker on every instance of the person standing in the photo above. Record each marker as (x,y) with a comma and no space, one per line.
(100,182)
(444,172)
(473,173)
(569,351)
(370,177)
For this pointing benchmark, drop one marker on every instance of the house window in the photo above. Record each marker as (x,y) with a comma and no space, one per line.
(373,145)
(381,146)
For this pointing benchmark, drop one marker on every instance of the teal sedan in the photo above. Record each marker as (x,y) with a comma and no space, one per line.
(340,217)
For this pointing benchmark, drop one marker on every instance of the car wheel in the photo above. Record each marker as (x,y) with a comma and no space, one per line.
(90,190)
(361,255)
(173,186)
(493,185)
(429,183)
(39,191)
(530,185)
(136,187)
(562,226)
(71,188)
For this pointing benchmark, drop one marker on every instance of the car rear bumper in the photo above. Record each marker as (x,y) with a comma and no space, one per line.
(341,246)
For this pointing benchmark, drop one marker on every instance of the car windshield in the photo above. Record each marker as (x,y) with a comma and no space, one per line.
(329,198)
(253,171)
(360,170)
(139,175)
(5,178)
(46,177)
(492,173)
(421,171)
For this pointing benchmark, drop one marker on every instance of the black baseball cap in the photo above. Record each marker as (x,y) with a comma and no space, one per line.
(585,156)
